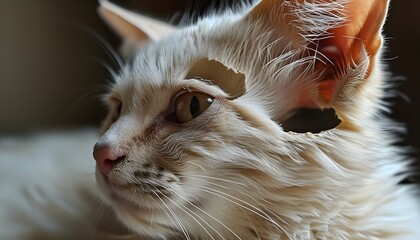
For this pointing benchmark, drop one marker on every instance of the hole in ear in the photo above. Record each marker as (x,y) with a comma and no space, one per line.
(305,120)
(231,82)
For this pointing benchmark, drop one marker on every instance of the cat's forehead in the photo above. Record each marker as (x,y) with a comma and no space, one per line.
(162,62)
(157,74)
(166,63)
(233,51)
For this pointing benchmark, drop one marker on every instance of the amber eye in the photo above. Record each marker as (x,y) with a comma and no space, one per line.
(116,107)
(190,105)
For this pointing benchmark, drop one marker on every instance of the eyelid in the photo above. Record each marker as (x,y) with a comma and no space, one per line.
(190,106)
(116,104)
(171,107)
(114,99)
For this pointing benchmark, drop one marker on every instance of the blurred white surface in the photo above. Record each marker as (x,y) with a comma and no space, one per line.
(47,187)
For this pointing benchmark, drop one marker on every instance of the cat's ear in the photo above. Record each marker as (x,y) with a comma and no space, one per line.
(133,27)
(344,35)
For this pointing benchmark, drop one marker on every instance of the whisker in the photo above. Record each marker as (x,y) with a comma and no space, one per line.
(245,205)
(183,229)
(227,196)
(201,210)
(104,44)
(215,178)
(108,49)
(209,182)
(186,211)
(236,189)
(199,166)
(89,94)
(252,223)
(132,196)
(164,210)
(229,189)
(106,66)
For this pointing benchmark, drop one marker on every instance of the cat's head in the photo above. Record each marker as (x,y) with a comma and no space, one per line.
(196,141)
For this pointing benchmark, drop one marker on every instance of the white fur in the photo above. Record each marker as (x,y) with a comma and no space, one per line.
(348,177)
(238,174)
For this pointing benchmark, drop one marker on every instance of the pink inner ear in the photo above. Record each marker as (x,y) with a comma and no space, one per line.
(364,22)
(359,34)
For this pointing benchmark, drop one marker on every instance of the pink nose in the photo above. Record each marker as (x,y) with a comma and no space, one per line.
(105,158)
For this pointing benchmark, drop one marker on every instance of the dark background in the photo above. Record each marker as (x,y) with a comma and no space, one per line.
(51,75)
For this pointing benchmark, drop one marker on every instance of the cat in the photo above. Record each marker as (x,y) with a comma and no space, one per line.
(204,138)
(195,144)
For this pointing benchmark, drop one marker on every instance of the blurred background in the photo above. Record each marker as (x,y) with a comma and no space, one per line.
(52,68)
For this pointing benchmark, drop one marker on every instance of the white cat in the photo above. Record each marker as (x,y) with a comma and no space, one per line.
(196,145)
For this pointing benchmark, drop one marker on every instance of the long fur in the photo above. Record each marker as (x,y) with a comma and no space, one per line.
(239,175)
(233,172)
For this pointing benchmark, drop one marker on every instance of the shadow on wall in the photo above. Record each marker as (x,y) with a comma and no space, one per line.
(50,76)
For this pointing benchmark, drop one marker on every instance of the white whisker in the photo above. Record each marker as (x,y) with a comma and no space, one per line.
(186,211)
(108,49)
(216,178)
(183,229)
(199,166)
(209,215)
(164,210)
(245,205)
(251,223)
(107,67)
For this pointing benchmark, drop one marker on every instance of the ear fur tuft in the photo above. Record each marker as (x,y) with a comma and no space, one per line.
(343,35)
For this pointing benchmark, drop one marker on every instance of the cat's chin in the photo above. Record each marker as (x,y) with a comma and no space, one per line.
(128,206)
(136,215)
(120,199)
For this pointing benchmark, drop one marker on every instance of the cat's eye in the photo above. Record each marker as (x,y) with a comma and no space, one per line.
(116,108)
(191,105)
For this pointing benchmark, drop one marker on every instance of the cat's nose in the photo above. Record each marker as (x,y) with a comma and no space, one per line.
(106,159)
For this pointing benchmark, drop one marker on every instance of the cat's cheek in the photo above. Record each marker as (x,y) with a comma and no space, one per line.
(103,189)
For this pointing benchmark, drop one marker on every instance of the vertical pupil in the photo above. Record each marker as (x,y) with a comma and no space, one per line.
(194,106)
